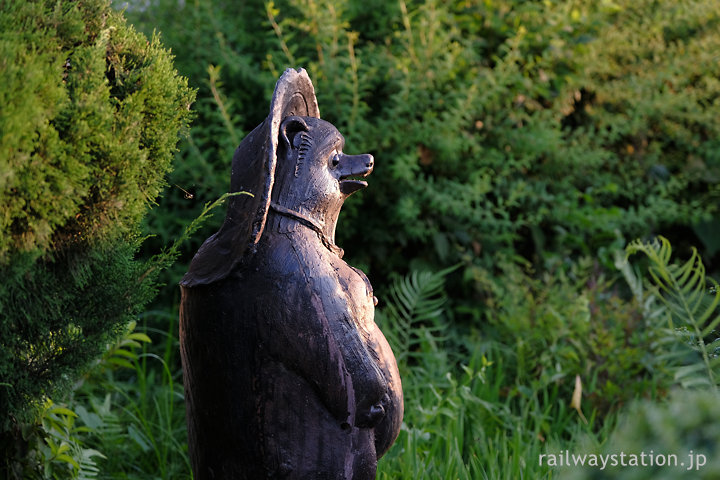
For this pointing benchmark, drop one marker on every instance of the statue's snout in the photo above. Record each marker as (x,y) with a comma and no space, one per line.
(353,166)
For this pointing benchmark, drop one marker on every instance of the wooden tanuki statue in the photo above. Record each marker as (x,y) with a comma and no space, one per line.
(286,373)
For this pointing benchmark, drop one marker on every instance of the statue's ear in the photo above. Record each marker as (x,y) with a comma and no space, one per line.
(290,128)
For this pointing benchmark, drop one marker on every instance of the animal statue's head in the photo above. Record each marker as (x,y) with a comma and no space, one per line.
(314,176)
(292,163)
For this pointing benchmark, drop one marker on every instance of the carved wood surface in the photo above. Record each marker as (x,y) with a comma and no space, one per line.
(286,373)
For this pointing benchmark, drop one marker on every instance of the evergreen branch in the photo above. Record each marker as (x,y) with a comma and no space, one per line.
(271,12)
(165,258)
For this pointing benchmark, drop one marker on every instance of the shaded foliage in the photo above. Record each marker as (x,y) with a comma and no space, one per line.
(542,128)
(679,438)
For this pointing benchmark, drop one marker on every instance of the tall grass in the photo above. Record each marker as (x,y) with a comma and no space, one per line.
(134,405)
(467,416)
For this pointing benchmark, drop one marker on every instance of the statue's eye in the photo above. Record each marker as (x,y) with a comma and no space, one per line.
(335,159)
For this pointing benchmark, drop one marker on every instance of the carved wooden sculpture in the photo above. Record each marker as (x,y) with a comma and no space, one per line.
(286,373)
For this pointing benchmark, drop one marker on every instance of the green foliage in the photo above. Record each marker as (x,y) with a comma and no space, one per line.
(90,121)
(58,315)
(471,410)
(121,421)
(507,146)
(684,426)
(133,406)
(63,449)
(562,325)
(542,128)
(492,412)
(413,318)
(102,422)
(691,311)
(89,125)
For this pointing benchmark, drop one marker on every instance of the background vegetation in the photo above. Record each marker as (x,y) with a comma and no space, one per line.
(520,148)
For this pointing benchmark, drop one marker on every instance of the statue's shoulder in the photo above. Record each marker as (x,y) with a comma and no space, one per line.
(281,257)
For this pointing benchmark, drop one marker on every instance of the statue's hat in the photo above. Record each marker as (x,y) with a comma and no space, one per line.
(253,171)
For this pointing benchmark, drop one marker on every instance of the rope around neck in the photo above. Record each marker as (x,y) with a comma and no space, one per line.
(312,224)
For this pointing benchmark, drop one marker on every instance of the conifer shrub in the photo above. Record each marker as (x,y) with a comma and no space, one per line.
(91,111)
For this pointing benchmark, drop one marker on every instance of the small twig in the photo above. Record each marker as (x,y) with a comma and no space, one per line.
(271,11)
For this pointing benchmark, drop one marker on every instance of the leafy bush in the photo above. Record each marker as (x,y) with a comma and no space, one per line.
(89,125)
(541,128)
(560,326)
(625,340)
(90,121)
(487,403)
(473,405)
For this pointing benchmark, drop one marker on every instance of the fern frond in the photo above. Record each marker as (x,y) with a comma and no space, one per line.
(88,468)
(412,316)
(691,300)
(691,376)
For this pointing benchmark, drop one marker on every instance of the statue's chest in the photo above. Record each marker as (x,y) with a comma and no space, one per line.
(301,270)
(353,290)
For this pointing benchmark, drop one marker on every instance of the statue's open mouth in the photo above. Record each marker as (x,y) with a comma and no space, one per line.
(354,166)
(348,186)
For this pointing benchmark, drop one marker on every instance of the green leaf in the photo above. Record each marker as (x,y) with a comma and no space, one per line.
(139,438)
(141,337)
(58,410)
(68,459)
